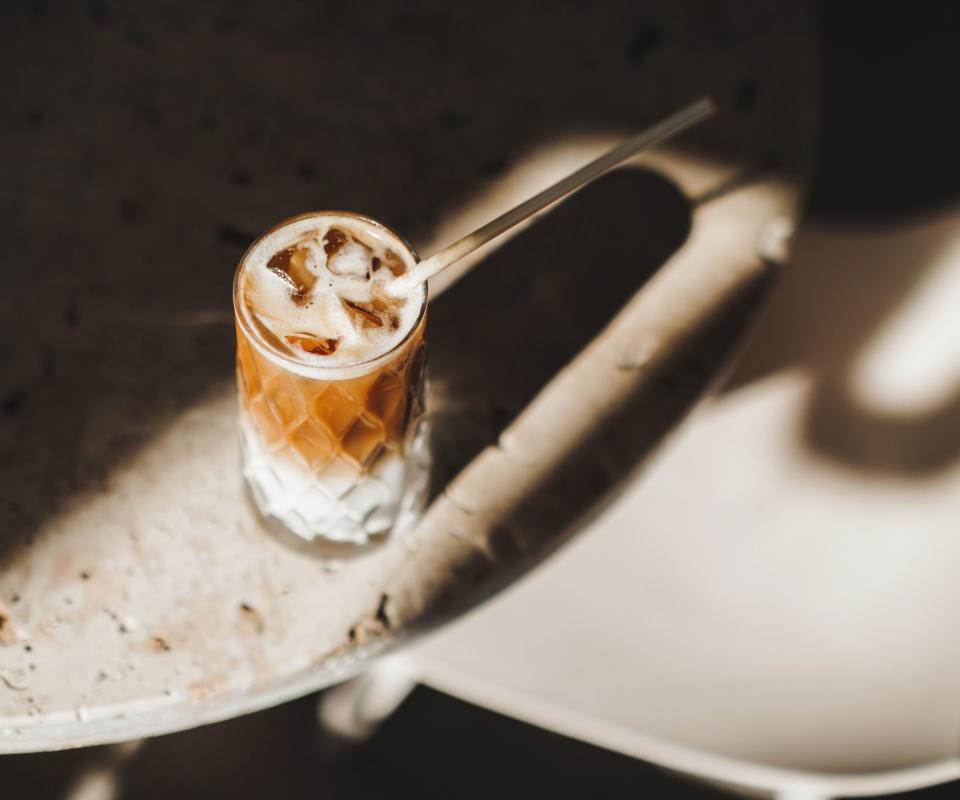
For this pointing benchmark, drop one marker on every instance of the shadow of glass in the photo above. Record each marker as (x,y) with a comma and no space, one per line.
(608,458)
(507,327)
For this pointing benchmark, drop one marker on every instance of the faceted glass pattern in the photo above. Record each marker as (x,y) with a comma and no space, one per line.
(342,457)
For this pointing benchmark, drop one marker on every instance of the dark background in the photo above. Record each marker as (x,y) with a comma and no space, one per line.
(891,111)
(147,144)
(890,125)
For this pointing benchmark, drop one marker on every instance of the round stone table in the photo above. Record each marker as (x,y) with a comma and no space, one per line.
(139,593)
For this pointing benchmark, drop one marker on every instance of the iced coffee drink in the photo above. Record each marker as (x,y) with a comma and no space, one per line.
(330,366)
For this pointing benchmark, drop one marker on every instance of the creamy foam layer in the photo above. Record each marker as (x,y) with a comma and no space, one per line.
(314,290)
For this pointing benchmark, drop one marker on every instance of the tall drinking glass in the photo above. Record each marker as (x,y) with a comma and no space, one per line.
(330,370)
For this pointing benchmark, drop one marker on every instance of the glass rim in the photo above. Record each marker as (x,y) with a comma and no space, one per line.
(307,368)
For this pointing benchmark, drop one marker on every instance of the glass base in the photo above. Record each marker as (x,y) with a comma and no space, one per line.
(339,504)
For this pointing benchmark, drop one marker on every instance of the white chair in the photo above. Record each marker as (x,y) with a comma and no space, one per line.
(765,608)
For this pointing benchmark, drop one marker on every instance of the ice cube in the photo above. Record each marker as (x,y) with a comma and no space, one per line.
(336,318)
(352,259)
(333,241)
(319,346)
(280,261)
(380,303)
(316,257)
(363,314)
(291,265)
(387,308)
(394,263)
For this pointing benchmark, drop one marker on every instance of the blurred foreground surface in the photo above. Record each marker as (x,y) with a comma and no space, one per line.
(433,747)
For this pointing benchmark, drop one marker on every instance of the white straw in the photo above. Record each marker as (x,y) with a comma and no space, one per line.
(666,129)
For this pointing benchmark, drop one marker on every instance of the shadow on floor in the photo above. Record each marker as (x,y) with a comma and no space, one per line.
(839,296)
